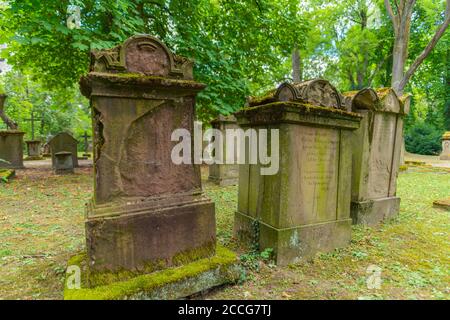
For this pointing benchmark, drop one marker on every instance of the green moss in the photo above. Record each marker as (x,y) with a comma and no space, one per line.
(97,278)
(224,259)
(268,96)
(305,107)
(6,174)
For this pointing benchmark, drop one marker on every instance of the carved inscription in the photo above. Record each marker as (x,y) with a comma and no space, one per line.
(380,167)
(314,178)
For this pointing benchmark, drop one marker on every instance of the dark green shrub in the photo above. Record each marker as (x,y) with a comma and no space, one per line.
(423,138)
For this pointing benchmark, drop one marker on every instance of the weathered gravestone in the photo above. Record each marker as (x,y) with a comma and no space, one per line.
(147,213)
(33,149)
(377,148)
(445,154)
(305,207)
(64,142)
(11,141)
(224,174)
(63,162)
(46,152)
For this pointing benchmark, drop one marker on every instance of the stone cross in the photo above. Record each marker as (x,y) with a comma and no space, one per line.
(32,120)
(85,136)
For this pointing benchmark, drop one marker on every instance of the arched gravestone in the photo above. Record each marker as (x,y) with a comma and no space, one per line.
(147,213)
(376,154)
(64,142)
(305,207)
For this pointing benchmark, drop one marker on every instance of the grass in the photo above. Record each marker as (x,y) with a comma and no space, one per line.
(41,226)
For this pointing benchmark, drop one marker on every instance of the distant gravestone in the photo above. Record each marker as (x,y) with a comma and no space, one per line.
(445,155)
(33,149)
(377,147)
(11,142)
(224,174)
(64,142)
(305,207)
(147,213)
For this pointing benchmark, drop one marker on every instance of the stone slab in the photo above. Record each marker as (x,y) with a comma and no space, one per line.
(373,212)
(173,283)
(443,204)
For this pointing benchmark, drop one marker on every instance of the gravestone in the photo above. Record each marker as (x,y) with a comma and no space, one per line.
(147,214)
(224,174)
(33,149)
(63,141)
(445,154)
(377,147)
(305,207)
(46,152)
(63,162)
(11,142)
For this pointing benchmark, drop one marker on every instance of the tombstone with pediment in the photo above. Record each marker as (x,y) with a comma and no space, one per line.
(64,142)
(147,213)
(221,173)
(305,207)
(377,146)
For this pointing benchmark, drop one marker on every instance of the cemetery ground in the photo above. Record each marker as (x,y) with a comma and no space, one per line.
(41,226)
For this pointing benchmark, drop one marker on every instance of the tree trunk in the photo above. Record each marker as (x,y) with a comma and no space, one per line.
(447,93)
(400,55)
(296,65)
(9,123)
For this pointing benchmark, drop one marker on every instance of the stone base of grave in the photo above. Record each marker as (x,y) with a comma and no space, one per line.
(291,245)
(64,171)
(33,158)
(442,204)
(172,283)
(373,212)
(224,182)
(150,234)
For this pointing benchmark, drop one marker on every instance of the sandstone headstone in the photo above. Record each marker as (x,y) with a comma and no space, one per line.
(224,174)
(64,142)
(377,146)
(63,162)
(147,213)
(305,207)
(11,148)
(445,155)
(33,149)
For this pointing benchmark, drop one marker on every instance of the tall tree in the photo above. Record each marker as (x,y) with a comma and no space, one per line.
(401,20)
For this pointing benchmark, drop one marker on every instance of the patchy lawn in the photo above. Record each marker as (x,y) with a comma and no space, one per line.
(41,226)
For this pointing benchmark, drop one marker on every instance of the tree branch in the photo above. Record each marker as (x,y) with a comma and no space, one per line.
(391,14)
(439,33)
(377,69)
